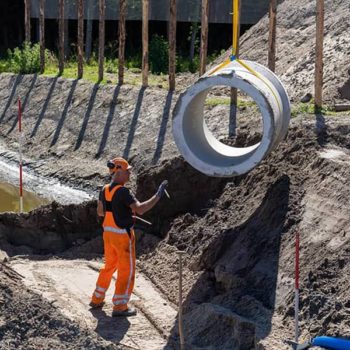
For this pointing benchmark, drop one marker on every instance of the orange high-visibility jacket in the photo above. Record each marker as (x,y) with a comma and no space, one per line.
(109,224)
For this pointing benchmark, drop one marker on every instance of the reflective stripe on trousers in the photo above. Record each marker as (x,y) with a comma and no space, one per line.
(100,292)
(119,255)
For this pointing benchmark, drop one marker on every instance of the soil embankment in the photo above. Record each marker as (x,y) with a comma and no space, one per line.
(238,238)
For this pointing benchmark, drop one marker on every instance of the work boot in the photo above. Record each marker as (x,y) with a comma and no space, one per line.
(96,306)
(124,313)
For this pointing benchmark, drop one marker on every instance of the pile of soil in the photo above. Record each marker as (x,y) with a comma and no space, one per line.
(27,321)
(49,229)
(295,48)
(238,238)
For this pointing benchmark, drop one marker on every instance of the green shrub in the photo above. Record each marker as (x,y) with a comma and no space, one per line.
(184,64)
(193,65)
(112,66)
(158,55)
(25,60)
(134,62)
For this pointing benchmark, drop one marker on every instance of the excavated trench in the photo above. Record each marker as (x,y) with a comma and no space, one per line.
(237,236)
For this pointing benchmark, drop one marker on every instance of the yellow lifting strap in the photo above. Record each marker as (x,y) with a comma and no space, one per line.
(235,26)
(233,57)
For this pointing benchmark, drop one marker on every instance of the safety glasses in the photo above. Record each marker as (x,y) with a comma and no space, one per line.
(111,165)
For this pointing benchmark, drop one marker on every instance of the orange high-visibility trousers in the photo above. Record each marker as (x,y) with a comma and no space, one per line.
(119,252)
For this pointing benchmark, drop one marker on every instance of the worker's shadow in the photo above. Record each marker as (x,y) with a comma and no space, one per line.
(232,302)
(110,328)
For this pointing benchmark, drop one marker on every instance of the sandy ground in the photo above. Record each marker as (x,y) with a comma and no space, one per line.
(68,285)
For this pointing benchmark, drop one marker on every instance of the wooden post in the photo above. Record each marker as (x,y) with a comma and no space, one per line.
(204,36)
(80,38)
(181,331)
(272,35)
(319,53)
(27,20)
(61,38)
(122,37)
(172,44)
(233,95)
(145,53)
(88,42)
(101,42)
(42,35)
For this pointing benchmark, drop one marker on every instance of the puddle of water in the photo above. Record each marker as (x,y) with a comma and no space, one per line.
(50,189)
(9,199)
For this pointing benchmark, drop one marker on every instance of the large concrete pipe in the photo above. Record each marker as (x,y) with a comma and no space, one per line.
(199,146)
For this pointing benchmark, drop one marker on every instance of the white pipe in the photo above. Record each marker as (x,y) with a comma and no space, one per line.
(199,146)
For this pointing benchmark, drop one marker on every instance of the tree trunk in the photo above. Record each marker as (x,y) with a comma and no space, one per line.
(27,19)
(61,38)
(122,37)
(101,50)
(204,37)
(145,53)
(319,53)
(80,37)
(89,24)
(42,35)
(272,35)
(172,45)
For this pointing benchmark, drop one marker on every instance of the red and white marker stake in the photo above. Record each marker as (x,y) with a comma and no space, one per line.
(296,308)
(20,156)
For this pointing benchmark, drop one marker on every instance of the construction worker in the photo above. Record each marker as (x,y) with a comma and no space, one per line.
(117,205)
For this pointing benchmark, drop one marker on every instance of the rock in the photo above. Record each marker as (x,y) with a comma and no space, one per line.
(3,256)
(306,98)
(211,326)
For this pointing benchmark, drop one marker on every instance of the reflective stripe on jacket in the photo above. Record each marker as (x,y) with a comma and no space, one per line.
(109,224)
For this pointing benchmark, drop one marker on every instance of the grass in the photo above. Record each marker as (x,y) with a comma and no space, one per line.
(132,76)
(226,101)
(90,73)
(309,108)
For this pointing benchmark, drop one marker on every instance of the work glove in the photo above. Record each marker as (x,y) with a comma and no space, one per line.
(162,188)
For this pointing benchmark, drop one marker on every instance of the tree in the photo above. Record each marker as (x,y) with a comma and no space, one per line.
(27,19)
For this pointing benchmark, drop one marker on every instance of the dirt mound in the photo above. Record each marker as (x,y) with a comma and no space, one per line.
(296,33)
(190,191)
(49,229)
(27,321)
(239,250)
